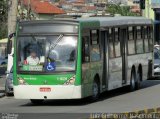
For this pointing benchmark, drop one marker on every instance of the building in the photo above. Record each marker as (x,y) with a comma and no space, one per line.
(134,6)
(152,11)
(38,9)
(101,5)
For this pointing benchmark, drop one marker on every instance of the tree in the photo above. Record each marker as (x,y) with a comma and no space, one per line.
(122,10)
(3,18)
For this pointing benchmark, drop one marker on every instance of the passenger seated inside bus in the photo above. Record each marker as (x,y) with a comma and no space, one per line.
(32,59)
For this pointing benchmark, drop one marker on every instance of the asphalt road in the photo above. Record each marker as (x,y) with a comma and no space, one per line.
(119,100)
(2,77)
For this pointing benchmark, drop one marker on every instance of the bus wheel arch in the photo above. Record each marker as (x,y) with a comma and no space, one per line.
(95,88)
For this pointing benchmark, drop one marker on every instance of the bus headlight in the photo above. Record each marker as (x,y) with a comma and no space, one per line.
(70,81)
(21,81)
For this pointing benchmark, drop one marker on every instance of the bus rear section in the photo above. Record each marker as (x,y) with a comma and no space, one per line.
(46,64)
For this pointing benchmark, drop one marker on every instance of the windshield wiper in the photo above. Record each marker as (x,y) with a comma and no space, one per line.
(54,44)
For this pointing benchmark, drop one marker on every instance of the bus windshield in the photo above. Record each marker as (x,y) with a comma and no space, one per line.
(47,53)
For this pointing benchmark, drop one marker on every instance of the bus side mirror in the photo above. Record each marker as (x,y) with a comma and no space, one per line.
(9,47)
(9,43)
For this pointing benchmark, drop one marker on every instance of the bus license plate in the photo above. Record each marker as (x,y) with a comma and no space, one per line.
(45,89)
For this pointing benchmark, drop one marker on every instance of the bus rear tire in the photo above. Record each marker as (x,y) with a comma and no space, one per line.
(138,82)
(36,101)
(95,91)
(133,81)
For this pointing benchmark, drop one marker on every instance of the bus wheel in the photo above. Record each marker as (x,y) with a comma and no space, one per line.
(133,81)
(138,82)
(95,91)
(36,101)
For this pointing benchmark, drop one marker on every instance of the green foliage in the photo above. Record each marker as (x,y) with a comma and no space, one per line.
(3,18)
(117,9)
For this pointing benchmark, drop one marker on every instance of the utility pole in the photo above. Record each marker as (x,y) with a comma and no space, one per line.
(12,19)
(12,15)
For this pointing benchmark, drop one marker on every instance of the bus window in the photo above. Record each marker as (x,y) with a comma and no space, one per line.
(145,32)
(47,53)
(30,51)
(111,48)
(131,41)
(146,47)
(95,53)
(138,32)
(139,40)
(95,50)
(150,37)
(117,43)
(150,32)
(94,37)
(85,49)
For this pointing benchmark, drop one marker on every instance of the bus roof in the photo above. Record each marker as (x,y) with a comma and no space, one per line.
(117,21)
(104,21)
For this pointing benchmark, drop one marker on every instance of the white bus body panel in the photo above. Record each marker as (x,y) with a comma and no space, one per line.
(57,92)
(115,69)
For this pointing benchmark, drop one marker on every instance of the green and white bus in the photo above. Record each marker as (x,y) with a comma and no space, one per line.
(82,57)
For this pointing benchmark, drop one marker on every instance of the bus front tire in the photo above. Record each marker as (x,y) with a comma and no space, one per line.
(95,91)
(36,101)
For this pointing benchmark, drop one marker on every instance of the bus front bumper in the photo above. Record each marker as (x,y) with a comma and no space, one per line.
(52,92)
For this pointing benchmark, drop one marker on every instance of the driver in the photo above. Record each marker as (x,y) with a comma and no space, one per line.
(33,59)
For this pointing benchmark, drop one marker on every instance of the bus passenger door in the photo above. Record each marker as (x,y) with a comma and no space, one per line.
(123,38)
(115,59)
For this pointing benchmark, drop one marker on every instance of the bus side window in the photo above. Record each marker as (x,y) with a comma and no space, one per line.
(95,50)
(131,41)
(85,49)
(139,40)
(117,43)
(111,48)
(150,37)
(146,41)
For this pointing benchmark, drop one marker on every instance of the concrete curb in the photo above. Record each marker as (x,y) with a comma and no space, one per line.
(2,95)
